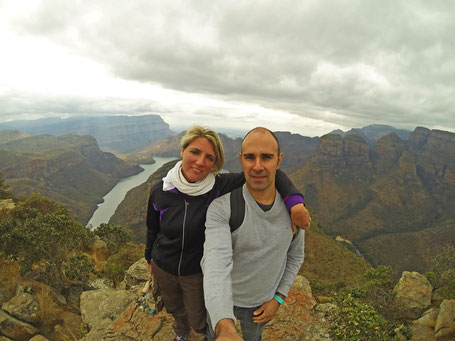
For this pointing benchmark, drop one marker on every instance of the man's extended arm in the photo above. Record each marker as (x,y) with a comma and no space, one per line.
(294,261)
(217,262)
(295,256)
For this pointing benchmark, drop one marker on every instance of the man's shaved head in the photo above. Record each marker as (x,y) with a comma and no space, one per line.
(263,130)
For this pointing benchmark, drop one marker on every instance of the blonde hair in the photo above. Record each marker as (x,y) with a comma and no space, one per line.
(197,131)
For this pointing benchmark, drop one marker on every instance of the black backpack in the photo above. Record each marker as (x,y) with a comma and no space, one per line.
(237,209)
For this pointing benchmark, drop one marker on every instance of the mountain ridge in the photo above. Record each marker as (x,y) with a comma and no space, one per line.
(70,169)
(118,134)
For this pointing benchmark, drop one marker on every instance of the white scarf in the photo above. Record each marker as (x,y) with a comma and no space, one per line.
(175,179)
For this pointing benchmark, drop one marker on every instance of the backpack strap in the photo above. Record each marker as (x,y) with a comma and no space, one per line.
(237,209)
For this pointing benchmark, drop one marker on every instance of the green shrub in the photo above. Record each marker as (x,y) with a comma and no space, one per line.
(79,267)
(38,231)
(326,287)
(356,320)
(115,236)
(443,267)
(118,264)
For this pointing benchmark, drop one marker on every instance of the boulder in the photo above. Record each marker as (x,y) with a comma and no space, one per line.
(295,319)
(73,293)
(7,204)
(97,305)
(99,251)
(24,306)
(38,338)
(414,292)
(423,328)
(16,329)
(445,323)
(303,285)
(99,283)
(137,274)
(135,325)
(4,338)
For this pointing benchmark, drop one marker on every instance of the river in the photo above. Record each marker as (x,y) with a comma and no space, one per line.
(112,199)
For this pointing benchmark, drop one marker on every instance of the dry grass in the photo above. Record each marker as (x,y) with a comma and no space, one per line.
(9,277)
(49,312)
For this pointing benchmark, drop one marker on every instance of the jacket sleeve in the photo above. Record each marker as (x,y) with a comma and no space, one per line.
(287,190)
(294,260)
(216,262)
(230,181)
(153,227)
(290,194)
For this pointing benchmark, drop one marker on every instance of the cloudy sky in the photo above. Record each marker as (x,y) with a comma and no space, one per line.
(304,66)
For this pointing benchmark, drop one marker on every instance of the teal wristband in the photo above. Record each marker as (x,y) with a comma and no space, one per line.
(278,299)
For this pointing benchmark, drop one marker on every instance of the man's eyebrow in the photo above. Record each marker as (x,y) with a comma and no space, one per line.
(262,154)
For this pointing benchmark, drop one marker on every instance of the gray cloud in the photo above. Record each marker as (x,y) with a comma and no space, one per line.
(348,63)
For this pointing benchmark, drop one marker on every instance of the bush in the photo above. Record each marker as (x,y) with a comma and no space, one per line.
(368,311)
(40,231)
(326,287)
(443,267)
(79,267)
(355,320)
(119,263)
(115,236)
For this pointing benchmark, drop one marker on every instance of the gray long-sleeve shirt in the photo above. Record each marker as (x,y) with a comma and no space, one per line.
(247,267)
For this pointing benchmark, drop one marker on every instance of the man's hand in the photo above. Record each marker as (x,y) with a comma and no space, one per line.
(225,331)
(266,311)
(300,217)
(149,266)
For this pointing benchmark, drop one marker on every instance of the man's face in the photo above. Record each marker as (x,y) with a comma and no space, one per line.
(260,160)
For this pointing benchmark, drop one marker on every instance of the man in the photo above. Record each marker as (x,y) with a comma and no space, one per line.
(248,272)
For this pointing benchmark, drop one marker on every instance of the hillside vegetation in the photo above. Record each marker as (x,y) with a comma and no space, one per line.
(396,202)
(69,169)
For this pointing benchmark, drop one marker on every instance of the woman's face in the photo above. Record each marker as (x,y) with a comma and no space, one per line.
(198,159)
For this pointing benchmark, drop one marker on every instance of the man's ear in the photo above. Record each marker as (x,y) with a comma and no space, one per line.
(280,158)
(240,157)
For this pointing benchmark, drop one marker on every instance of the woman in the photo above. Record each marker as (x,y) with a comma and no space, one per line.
(176,223)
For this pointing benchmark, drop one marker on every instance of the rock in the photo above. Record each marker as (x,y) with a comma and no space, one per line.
(135,325)
(137,274)
(445,323)
(98,251)
(24,306)
(38,338)
(73,293)
(302,284)
(7,204)
(423,328)
(16,329)
(101,331)
(99,283)
(295,319)
(323,310)
(97,305)
(414,292)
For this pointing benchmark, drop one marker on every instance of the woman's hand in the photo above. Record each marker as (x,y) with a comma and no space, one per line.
(300,217)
